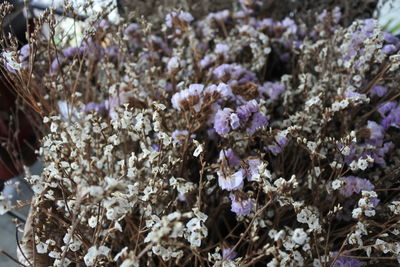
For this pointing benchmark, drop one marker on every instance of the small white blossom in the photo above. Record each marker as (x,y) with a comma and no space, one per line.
(299,236)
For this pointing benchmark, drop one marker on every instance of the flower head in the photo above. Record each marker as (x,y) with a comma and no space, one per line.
(241,206)
(231,182)
(188,98)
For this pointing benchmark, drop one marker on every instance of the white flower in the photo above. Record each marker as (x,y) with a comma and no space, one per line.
(55,254)
(336,184)
(356,213)
(195,239)
(312,146)
(41,248)
(8,56)
(346,151)
(57,262)
(299,236)
(94,252)
(198,149)
(362,164)
(90,256)
(395,207)
(92,221)
(173,64)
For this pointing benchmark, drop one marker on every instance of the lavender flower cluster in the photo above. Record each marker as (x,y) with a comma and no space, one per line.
(227,140)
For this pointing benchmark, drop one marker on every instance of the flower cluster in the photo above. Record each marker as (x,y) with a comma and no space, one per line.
(229,139)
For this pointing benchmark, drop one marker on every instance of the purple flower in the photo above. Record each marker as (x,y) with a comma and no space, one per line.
(56,65)
(156,147)
(272,89)
(221,49)
(289,25)
(220,15)
(253,168)
(234,74)
(223,89)
(379,90)
(231,182)
(24,56)
(258,120)
(131,30)
(386,108)
(366,31)
(96,107)
(222,121)
(280,142)
(392,119)
(112,51)
(352,94)
(389,49)
(245,111)
(173,64)
(177,17)
(205,62)
(228,254)
(344,261)
(376,130)
(354,185)
(228,158)
(188,98)
(71,52)
(275,149)
(390,38)
(241,206)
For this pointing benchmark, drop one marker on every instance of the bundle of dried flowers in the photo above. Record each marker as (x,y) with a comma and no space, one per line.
(231,139)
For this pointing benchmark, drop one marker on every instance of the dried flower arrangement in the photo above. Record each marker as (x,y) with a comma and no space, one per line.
(228,140)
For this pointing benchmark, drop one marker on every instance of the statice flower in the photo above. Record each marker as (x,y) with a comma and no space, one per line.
(178,18)
(222,15)
(258,120)
(279,143)
(365,31)
(222,49)
(272,89)
(96,107)
(173,64)
(11,64)
(188,98)
(344,261)
(234,74)
(391,115)
(386,107)
(229,158)
(132,30)
(231,181)
(376,130)
(228,254)
(379,90)
(250,116)
(205,62)
(224,91)
(222,121)
(241,206)
(252,170)
(245,111)
(354,185)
